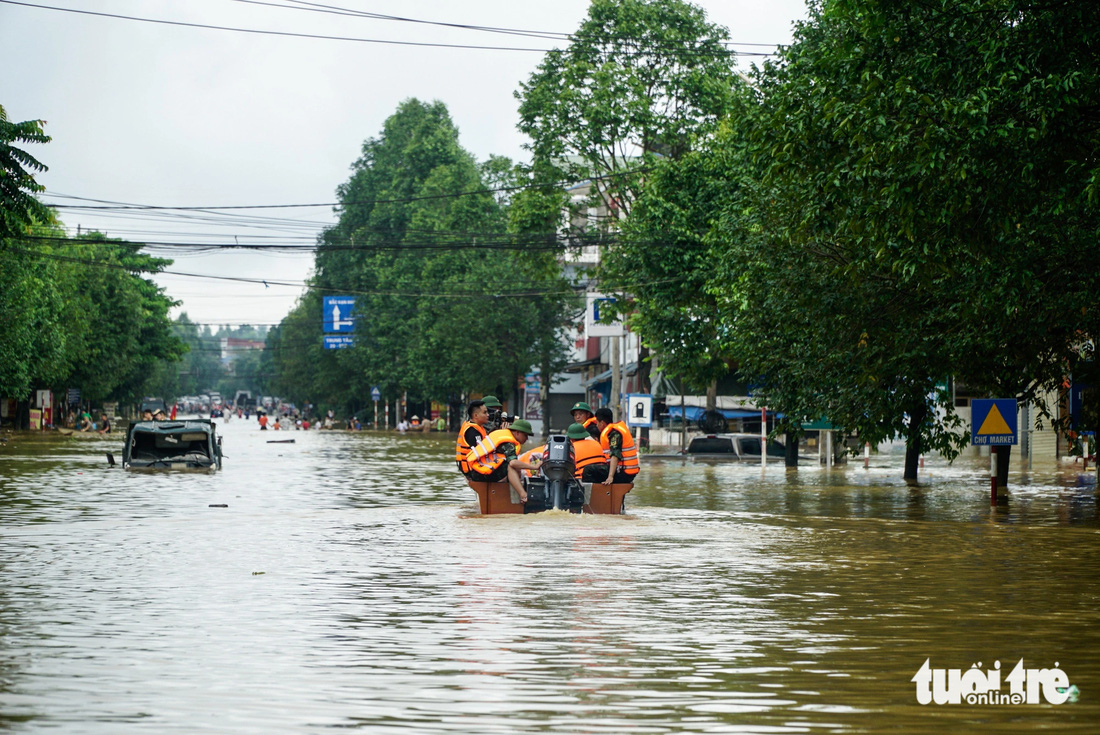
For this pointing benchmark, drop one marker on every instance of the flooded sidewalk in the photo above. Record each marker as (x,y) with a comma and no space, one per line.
(350,583)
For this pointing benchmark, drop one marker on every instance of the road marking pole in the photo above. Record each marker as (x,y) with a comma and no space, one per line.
(993,475)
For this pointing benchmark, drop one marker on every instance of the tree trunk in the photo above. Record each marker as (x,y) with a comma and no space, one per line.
(712,396)
(544,396)
(913,446)
(645,369)
(616,378)
(791,458)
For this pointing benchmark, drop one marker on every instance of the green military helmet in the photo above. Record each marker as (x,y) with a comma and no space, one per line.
(577,431)
(581,406)
(491,402)
(522,425)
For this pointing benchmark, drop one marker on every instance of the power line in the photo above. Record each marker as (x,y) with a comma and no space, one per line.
(471,291)
(339,10)
(293,284)
(261,32)
(113,205)
(316,36)
(536,243)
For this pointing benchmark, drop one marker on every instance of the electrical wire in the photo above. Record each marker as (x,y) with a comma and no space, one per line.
(470,292)
(269,282)
(317,36)
(113,205)
(343,11)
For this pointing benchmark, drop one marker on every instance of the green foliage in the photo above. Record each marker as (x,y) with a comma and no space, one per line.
(32,339)
(908,194)
(640,79)
(433,319)
(922,177)
(18,207)
(72,312)
(664,262)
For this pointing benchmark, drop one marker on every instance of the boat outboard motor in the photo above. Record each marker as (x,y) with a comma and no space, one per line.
(558,468)
(555,487)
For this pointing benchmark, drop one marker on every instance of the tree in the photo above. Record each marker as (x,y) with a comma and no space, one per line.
(442,288)
(640,80)
(116,321)
(19,208)
(662,259)
(30,338)
(923,177)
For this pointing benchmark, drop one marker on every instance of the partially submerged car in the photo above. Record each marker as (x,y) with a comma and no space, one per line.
(733,446)
(172,445)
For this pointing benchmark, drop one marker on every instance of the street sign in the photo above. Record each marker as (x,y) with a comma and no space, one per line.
(597,321)
(639,410)
(1080,396)
(337,314)
(339,341)
(993,421)
(375,394)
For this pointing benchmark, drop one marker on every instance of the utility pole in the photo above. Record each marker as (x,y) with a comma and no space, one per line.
(616,377)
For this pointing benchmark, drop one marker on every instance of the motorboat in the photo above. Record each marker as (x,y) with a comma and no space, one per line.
(190,444)
(553,488)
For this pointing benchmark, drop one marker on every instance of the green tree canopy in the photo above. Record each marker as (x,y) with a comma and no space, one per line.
(640,79)
(922,203)
(444,289)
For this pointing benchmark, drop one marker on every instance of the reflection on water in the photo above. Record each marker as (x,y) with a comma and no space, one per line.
(350,584)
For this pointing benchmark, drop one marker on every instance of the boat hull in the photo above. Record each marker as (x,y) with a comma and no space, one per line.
(495,498)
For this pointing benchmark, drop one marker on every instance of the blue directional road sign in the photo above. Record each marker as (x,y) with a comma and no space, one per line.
(993,421)
(375,394)
(338,314)
(338,341)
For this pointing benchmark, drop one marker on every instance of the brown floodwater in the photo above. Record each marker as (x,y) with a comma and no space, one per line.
(350,584)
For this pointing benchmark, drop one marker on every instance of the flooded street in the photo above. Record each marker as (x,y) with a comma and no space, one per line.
(350,584)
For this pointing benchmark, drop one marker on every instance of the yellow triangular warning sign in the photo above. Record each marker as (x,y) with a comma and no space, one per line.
(994,423)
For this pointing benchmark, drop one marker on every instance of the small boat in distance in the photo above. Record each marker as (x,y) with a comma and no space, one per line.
(191,444)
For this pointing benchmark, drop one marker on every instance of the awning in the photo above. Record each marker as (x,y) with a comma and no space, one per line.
(628,369)
(694,412)
(576,367)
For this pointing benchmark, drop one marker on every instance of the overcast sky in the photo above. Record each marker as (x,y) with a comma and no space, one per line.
(178,116)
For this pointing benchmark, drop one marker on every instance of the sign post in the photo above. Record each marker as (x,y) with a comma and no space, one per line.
(639,413)
(763,436)
(375,394)
(598,322)
(993,424)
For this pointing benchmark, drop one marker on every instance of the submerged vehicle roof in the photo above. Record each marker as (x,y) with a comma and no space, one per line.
(168,427)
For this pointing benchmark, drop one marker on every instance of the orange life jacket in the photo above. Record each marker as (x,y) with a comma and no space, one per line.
(586,452)
(462,449)
(588,426)
(486,457)
(629,462)
(529,455)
